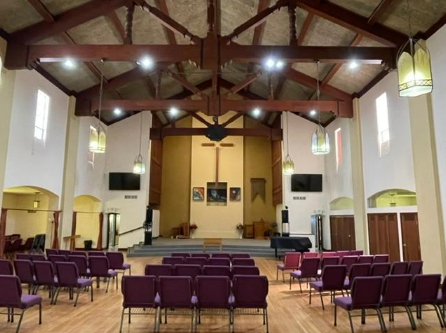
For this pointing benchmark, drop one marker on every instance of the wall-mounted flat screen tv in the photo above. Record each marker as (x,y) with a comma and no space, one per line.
(306,183)
(124,181)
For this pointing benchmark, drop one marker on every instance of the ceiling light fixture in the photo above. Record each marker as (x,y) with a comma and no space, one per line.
(256,112)
(353,64)
(139,166)
(97,134)
(288,164)
(320,142)
(173,112)
(272,64)
(313,113)
(146,62)
(69,63)
(36,202)
(117,111)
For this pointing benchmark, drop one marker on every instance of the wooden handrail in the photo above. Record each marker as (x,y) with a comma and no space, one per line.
(129,231)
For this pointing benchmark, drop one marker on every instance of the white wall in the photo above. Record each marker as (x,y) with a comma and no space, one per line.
(122,148)
(438,56)
(394,170)
(29,162)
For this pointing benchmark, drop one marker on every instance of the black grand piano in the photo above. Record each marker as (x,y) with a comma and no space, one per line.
(299,244)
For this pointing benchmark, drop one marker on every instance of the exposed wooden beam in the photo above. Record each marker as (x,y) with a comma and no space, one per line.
(199,118)
(243,93)
(379,10)
(117,24)
(279,87)
(304,29)
(42,10)
(66,20)
(232,119)
(353,21)
(149,105)
(239,86)
(184,83)
(274,134)
(186,93)
(128,39)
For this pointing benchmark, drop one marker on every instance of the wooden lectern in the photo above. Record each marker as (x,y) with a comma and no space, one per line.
(72,240)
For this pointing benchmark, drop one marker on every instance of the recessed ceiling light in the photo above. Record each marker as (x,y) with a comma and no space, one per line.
(280,64)
(256,112)
(69,63)
(353,64)
(173,112)
(313,113)
(146,62)
(117,111)
(272,64)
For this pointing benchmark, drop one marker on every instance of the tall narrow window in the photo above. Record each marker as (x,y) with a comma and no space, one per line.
(42,106)
(338,141)
(382,117)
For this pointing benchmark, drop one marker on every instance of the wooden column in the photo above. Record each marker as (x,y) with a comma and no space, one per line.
(73,231)
(56,230)
(101,224)
(2,231)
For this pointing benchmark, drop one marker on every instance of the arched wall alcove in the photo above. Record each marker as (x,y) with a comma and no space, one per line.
(392,198)
(341,203)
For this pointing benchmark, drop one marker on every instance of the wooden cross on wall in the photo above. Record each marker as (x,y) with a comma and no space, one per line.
(217,154)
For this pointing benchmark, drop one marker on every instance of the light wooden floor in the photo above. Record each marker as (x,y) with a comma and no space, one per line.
(288,312)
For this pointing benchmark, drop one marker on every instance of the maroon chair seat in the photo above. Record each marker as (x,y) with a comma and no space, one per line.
(51,252)
(180,254)
(6,267)
(415,268)
(326,254)
(348,261)
(357,253)
(57,258)
(245,270)
(37,257)
(399,267)
(357,270)
(328,261)
(217,271)
(79,253)
(22,256)
(195,261)
(381,258)
(173,260)
(100,268)
(25,271)
(220,262)
(380,269)
(187,270)
(68,277)
(365,259)
(158,270)
(81,263)
(240,255)
(116,260)
(291,261)
(244,262)
(221,255)
(342,254)
(308,270)
(46,277)
(200,255)
(96,253)
(11,297)
(332,280)
(65,253)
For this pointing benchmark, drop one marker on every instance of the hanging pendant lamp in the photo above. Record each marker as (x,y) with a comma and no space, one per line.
(139,166)
(414,66)
(320,142)
(97,134)
(288,164)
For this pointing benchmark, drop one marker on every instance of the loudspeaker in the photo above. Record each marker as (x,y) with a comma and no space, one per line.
(148,226)
(149,214)
(38,243)
(285,216)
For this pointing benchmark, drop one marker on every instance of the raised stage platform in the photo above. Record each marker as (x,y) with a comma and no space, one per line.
(165,246)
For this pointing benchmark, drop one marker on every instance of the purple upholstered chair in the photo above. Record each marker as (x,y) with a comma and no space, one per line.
(51,252)
(57,258)
(291,261)
(116,260)
(365,259)
(180,254)
(36,257)
(100,268)
(308,270)
(415,268)
(195,261)
(68,277)
(79,253)
(22,256)
(11,298)
(217,271)
(326,254)
(138,292)
(333,278)
(221,255)
(425,291)
(173,260)
(6,267)
(380,269)
(213,293)
(220,261)
(357,253)
(328,261)
(380,258)
(245,270)
(396,292)
(441,300)
(65,253)
(187,270)
(176,293)
(250,292)
(310,255)
(27,245)
(81,263)
(244,262)
(239,255)
(366,294)
(357,270)
(348,261)
(158,270)
(96,254)
(399,267)
(45,276)
(25,271)
(200,255)
(342,254)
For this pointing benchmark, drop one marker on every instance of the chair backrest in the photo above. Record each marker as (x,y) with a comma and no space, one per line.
(81,263)
(443,292)
(23,256)
(329,254)
(67,274)
(365,259)
(342,254)
(333,277)
(356,252)
(96,254)
(6,267)
(309,267)
(24,270)
(44,271)
(221,261)
(221,255)
(240,255)
(249,291)
(200,255)
(159,270)
(396,289)
(291,260)
(173,260)
(325,261)
(349,261)
(244,262)
(399,267)
(175,291)
(415,268)
(187,270)
(28,244)
(79,253)
(16,245)
(366,292)
(380,269)
(37,257)
(180,254)
(359,270)
(57,258)
(51,252)
(216,271)
(138,291)
(245,270)
(425,288)
(65,253)
(99,266)
(381,258)
(310,255)
(10,291)
(213,291)
(115,259)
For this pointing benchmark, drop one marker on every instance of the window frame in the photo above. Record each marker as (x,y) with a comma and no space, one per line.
(382,123)
(41,121)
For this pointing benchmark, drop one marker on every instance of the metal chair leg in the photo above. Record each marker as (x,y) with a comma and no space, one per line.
(122,319)
(277,274)
(20,321)
(266,315)
(155,320)
(192,319)
(91,293)
(283,276)
(363,317)
(322,300)
(40,313)
(108,283)
(77,296)
(130,315)
(411,319)
(440,319)
(300,285)
(351,322)
(309,301)
(56,296)
(381,320)
(336,315)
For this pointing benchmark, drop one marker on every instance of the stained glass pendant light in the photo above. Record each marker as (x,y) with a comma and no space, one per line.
(320,142)
(139,166)
(414,66)
(288,164)
(97,134)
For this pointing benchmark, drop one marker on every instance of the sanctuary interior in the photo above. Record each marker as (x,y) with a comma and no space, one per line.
(222,165)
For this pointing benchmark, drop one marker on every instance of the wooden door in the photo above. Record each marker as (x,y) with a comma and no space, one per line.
(342,233)
(383,235)
(411,236)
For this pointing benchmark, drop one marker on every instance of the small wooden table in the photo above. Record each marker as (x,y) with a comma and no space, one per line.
(212,242)
(72,240)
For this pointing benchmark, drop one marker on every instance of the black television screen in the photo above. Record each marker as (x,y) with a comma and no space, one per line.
(306,183)
(122,181)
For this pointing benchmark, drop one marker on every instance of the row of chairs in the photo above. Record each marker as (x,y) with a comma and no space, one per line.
(202,293)
(310,269)
(229,256)
(392,291)
(17,245)
(208,261)
(95,253)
